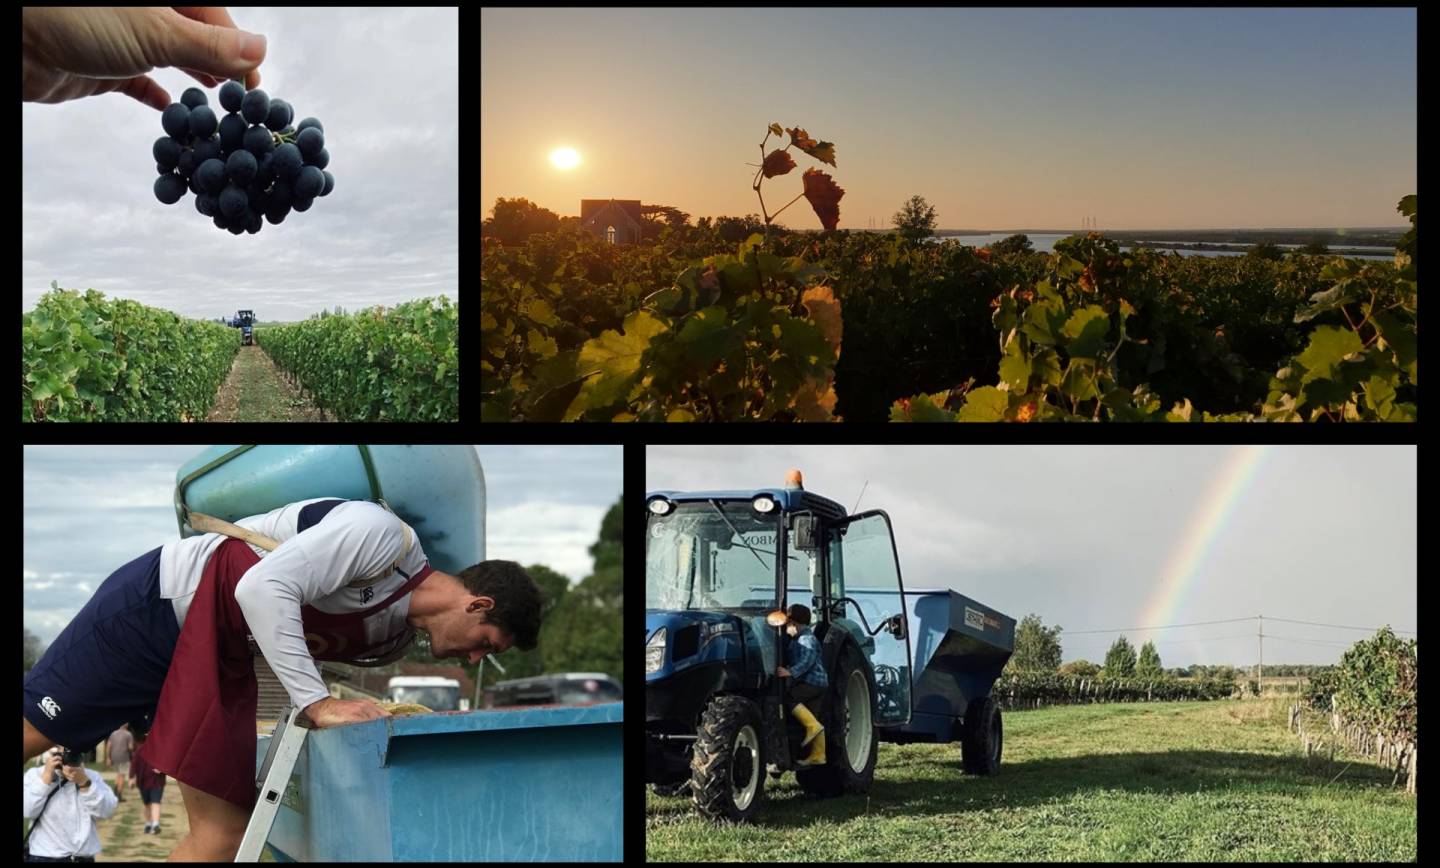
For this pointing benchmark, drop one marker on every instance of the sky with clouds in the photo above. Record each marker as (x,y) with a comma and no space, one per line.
(1084,535)
(90,509)
(383,83)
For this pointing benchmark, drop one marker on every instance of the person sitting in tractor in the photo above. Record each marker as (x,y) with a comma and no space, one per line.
(802,649)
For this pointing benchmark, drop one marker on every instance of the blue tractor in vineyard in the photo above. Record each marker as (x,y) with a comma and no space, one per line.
(721,568)
(245,321)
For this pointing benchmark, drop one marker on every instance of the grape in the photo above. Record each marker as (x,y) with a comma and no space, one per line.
(251,166)
(176,120)
(309,183)
(281,194)
(241,167)
(211,176)
(258,141)
(255,106)
(232,93)
(288,161)
(232,201)
(169,189)
(167,151)
(280,115)
(206,149)
(232,134)
(310,141)
(202,122)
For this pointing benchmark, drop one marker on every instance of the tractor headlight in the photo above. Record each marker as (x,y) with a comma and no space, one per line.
(661,506)
(763,504)
(655,652)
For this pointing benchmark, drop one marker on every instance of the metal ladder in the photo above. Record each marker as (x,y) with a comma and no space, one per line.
(284,751)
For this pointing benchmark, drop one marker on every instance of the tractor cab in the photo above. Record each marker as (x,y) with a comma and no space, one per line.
(245,321)
(721,568)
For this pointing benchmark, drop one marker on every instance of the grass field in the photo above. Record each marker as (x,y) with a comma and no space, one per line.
(1213,781)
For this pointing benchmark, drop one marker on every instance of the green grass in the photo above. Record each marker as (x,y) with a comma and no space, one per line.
(1188,781)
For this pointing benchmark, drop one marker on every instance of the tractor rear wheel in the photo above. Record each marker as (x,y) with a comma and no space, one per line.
(727,764)
(981,738)
(850,742)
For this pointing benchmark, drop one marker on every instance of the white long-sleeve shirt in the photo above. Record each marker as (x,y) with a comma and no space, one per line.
(355,540)
(67,827)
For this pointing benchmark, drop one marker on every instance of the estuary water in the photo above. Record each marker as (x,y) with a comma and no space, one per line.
(1045,243)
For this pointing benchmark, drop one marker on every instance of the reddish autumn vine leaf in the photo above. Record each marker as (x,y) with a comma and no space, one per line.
(778,163)
(824,196)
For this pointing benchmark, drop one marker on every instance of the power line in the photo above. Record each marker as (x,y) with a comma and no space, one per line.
(1230,621)
(1341,626)
(1309,641)
(1163,627)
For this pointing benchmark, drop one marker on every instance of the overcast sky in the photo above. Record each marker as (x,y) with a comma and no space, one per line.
(544,505)
(383,83)
(1087,537)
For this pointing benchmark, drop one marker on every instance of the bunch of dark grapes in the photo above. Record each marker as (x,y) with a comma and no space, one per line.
(246,167)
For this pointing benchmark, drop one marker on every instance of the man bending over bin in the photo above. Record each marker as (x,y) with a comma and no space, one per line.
(802,649)
(322,579)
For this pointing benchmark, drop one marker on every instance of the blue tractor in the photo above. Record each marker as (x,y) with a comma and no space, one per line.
(903,666)
(245,321)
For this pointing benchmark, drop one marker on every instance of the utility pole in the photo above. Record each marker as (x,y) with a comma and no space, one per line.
(1260,666)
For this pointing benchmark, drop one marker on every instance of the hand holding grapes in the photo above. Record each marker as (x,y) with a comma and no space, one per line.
(71,53)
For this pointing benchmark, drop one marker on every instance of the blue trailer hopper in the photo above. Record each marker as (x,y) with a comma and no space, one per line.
(437,490)
(538,783)
(957,649)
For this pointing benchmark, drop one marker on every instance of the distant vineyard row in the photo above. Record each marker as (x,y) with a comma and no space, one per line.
(85,358)
(399,364)
(802,327)
(1033,691)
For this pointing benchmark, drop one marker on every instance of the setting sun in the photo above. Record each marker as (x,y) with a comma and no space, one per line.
(565,158)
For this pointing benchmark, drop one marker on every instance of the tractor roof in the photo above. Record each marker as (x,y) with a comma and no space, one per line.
(790,499)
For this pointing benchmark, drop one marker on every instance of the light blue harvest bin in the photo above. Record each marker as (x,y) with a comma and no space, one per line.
(437,490)
(524,784)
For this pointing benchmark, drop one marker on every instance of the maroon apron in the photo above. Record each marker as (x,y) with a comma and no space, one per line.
(203,733)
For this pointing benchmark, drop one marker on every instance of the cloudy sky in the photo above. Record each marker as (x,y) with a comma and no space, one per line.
(382,81)
(544,504)
(1103,538)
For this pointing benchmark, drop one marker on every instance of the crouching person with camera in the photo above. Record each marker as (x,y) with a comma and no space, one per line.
(64,799)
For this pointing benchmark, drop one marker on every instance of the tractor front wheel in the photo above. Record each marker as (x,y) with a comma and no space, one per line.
(727,764)
(850,742)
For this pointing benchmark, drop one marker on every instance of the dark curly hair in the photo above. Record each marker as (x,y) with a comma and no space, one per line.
(517,598)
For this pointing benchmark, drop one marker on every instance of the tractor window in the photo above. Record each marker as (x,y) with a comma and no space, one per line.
(711,556)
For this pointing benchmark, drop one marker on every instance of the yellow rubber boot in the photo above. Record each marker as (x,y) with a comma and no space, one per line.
(814,736)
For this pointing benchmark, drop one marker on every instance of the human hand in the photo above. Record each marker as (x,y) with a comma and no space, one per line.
(337,712)
(75,774)
(52,762)
(70,53)
(782,672)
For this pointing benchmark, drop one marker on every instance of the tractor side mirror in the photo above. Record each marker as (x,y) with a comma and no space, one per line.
(804,532)
(896,625)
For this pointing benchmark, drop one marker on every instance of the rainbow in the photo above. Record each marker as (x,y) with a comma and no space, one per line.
(1205,527)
